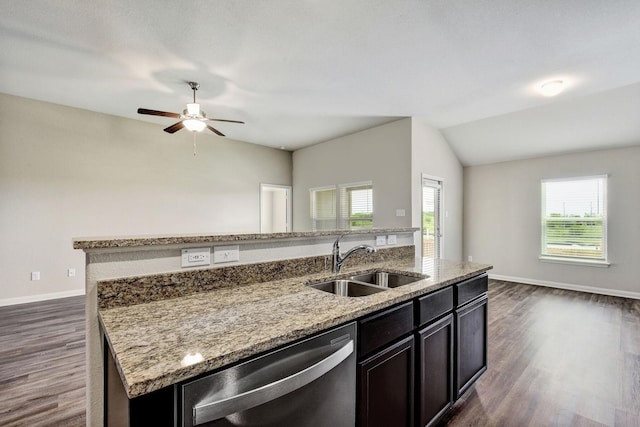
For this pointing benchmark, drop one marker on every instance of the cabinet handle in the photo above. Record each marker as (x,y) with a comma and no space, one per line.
(206,412)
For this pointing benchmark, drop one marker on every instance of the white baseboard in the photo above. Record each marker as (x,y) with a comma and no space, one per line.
(568,286)
(40,297)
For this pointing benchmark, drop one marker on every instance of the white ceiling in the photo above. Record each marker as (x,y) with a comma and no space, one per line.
(301,72)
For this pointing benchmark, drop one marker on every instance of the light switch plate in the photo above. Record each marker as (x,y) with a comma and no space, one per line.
(391,239)
(400,212)
(194,257)
(381,240)
(226,254)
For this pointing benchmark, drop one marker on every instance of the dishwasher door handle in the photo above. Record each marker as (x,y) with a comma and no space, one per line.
(203,413)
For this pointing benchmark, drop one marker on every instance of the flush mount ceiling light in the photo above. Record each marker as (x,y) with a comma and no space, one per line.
(551,87)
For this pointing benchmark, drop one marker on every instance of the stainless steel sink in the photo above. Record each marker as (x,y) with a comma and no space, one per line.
(347,288)
(386,279)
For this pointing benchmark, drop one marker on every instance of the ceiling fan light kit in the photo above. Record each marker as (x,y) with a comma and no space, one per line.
(194,125)
(192,118)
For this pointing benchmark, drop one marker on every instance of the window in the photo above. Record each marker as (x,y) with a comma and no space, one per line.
(348,206)
(323,208)
(431,219)
(574,219)
(356,205)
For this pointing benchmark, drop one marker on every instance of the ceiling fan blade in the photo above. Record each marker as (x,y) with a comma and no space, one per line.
(223,120)
(158,113)
(174,127)
(212,129)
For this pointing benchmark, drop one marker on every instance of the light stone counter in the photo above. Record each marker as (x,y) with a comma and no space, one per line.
(155,344)
(88,243)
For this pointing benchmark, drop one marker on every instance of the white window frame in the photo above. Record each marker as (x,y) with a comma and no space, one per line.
(312,208)
(434,182)
(344,216)
(576,260)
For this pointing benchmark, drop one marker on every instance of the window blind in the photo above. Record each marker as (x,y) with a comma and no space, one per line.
(356,205)
(431,233)
(323,208)
(574,218)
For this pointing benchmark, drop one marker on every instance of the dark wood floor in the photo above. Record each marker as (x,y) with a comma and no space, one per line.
(556,358)
(42,363)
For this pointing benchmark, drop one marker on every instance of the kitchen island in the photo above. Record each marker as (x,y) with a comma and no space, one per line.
(153,343)
(160,325)
(149,257)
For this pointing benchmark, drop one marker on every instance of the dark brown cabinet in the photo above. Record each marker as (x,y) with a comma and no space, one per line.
(380,329)
(471,343)
(386,368)
(416,359)
(435,370)
(386,386)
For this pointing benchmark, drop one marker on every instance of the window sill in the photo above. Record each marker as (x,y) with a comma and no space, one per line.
(574,261)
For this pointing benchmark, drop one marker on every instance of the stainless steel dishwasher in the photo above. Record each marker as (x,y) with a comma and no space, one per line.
(309,383)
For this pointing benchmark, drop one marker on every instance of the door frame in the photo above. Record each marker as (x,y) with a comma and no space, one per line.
(441,213)
(289,192)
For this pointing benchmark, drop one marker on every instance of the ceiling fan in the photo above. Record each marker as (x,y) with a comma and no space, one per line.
(192,118)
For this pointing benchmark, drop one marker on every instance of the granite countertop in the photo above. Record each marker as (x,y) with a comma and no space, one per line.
(160,343)
(88,243)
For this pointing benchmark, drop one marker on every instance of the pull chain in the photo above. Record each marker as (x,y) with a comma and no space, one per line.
(194,144)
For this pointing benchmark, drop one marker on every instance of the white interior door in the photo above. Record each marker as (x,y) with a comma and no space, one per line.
(275,208)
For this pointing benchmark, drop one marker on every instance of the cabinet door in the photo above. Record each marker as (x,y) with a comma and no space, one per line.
(435,365)
(385,386)
(471,343)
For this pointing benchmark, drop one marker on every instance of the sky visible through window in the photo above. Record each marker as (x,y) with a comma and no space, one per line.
(362,201)
(575,198)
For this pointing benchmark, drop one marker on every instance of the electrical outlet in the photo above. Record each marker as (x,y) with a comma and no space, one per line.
(381,240)
(191,258)
(470,258)
(391,239)
(400,212)
(196,256)
(226,254)
(35,275)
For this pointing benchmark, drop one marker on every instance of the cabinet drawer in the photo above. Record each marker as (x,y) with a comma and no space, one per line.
(470,289)
(434,305)
(382,328)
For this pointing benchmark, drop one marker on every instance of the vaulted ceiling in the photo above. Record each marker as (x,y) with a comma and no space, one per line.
(302,72)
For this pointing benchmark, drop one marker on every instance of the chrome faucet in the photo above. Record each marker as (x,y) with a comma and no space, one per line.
(338,260)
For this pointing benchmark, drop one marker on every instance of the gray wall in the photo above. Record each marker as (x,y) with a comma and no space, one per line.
(394,156)
(67,173)
(431,155)
(381,154)
(502,219)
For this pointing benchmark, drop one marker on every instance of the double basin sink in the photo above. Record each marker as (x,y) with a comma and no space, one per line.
(361,285)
